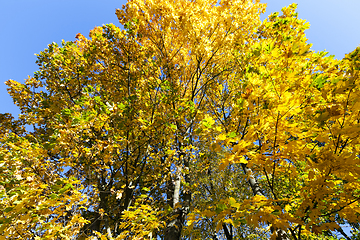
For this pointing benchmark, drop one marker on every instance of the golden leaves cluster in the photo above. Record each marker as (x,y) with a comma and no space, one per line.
(196,81)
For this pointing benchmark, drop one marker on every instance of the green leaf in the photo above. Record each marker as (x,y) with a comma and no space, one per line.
(220,207)
(66,112)
(53,196)
(8,209)
(146,189)
(64,189)
(122,106)
(319,81)
(232,135)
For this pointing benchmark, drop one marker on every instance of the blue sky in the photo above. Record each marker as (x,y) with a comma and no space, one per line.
(27,27)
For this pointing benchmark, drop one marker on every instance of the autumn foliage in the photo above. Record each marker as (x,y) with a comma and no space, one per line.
(195,121)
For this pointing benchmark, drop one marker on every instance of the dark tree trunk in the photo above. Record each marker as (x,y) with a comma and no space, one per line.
(174,227)
(228,234)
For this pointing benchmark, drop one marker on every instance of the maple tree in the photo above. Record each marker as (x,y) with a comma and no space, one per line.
(196,121)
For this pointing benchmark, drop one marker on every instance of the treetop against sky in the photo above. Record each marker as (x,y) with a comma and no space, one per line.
(194,119)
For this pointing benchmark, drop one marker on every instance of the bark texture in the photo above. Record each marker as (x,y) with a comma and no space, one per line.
(280,234)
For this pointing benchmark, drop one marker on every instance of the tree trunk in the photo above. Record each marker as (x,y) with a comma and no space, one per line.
(174,227)
(280,234)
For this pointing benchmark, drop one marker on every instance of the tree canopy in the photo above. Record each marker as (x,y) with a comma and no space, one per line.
(195,121)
